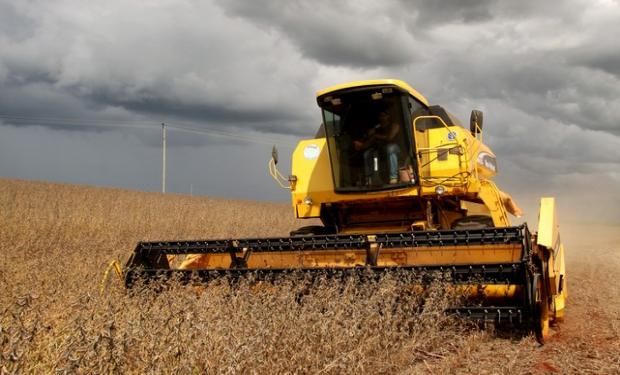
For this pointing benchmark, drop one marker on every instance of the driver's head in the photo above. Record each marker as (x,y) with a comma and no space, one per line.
(384,118)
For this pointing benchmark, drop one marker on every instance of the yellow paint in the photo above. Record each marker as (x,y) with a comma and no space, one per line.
(457,171)
(449,156)
(547,223)
(491,197)
(375,82)
(549,242)
(314,177)
(337,258)
(490,292)
(445,167)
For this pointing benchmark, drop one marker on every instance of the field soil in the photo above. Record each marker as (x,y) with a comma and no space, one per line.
(57,240)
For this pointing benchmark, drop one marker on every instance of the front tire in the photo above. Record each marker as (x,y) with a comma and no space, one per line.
(541,310)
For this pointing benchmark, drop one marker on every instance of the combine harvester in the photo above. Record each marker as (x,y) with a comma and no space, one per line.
(398,185)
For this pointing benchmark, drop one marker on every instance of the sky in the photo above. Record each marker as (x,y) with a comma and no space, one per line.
(85,86)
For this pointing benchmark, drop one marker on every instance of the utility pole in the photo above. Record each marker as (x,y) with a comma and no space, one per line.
(163,156)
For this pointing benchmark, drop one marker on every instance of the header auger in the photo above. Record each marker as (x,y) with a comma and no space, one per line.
(398,184)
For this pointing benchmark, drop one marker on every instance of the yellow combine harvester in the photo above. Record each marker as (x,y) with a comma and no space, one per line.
(397,184)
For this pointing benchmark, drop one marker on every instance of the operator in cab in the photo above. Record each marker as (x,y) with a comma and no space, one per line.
(380,139)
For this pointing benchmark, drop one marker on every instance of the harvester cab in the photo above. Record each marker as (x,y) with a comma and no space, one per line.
(370,147)
(398,184)
(385,160)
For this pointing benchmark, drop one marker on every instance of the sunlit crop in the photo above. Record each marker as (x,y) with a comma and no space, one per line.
(56,241)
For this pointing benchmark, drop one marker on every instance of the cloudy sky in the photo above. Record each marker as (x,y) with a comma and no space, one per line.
(84,87)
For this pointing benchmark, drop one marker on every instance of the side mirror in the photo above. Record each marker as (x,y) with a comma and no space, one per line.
(475,122)
(274,154)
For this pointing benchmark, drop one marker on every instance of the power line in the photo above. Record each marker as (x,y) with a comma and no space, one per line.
(76,123)
(134,124)
(262,140)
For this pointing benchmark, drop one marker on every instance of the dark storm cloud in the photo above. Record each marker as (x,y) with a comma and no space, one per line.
(341,33)
(602,55)
(40,105)
(549,61)
(538,83)
(520,52)
(13,23)
(430,12)
(267,119)
(425,14)
(172,65)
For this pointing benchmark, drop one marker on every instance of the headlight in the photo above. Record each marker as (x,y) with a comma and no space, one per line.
(308,201)
(440,189)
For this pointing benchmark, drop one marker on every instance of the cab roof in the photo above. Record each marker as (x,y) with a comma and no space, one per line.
(375,82)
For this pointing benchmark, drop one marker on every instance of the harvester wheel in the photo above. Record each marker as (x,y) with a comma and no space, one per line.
(541,309)
(312,230)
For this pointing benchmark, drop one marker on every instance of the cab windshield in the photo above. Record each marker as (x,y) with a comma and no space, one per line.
(369,138)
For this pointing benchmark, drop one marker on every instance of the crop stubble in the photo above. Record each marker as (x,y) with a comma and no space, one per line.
(56,240)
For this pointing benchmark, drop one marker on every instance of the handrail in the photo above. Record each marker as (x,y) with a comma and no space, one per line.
(460,179)
(429,117)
